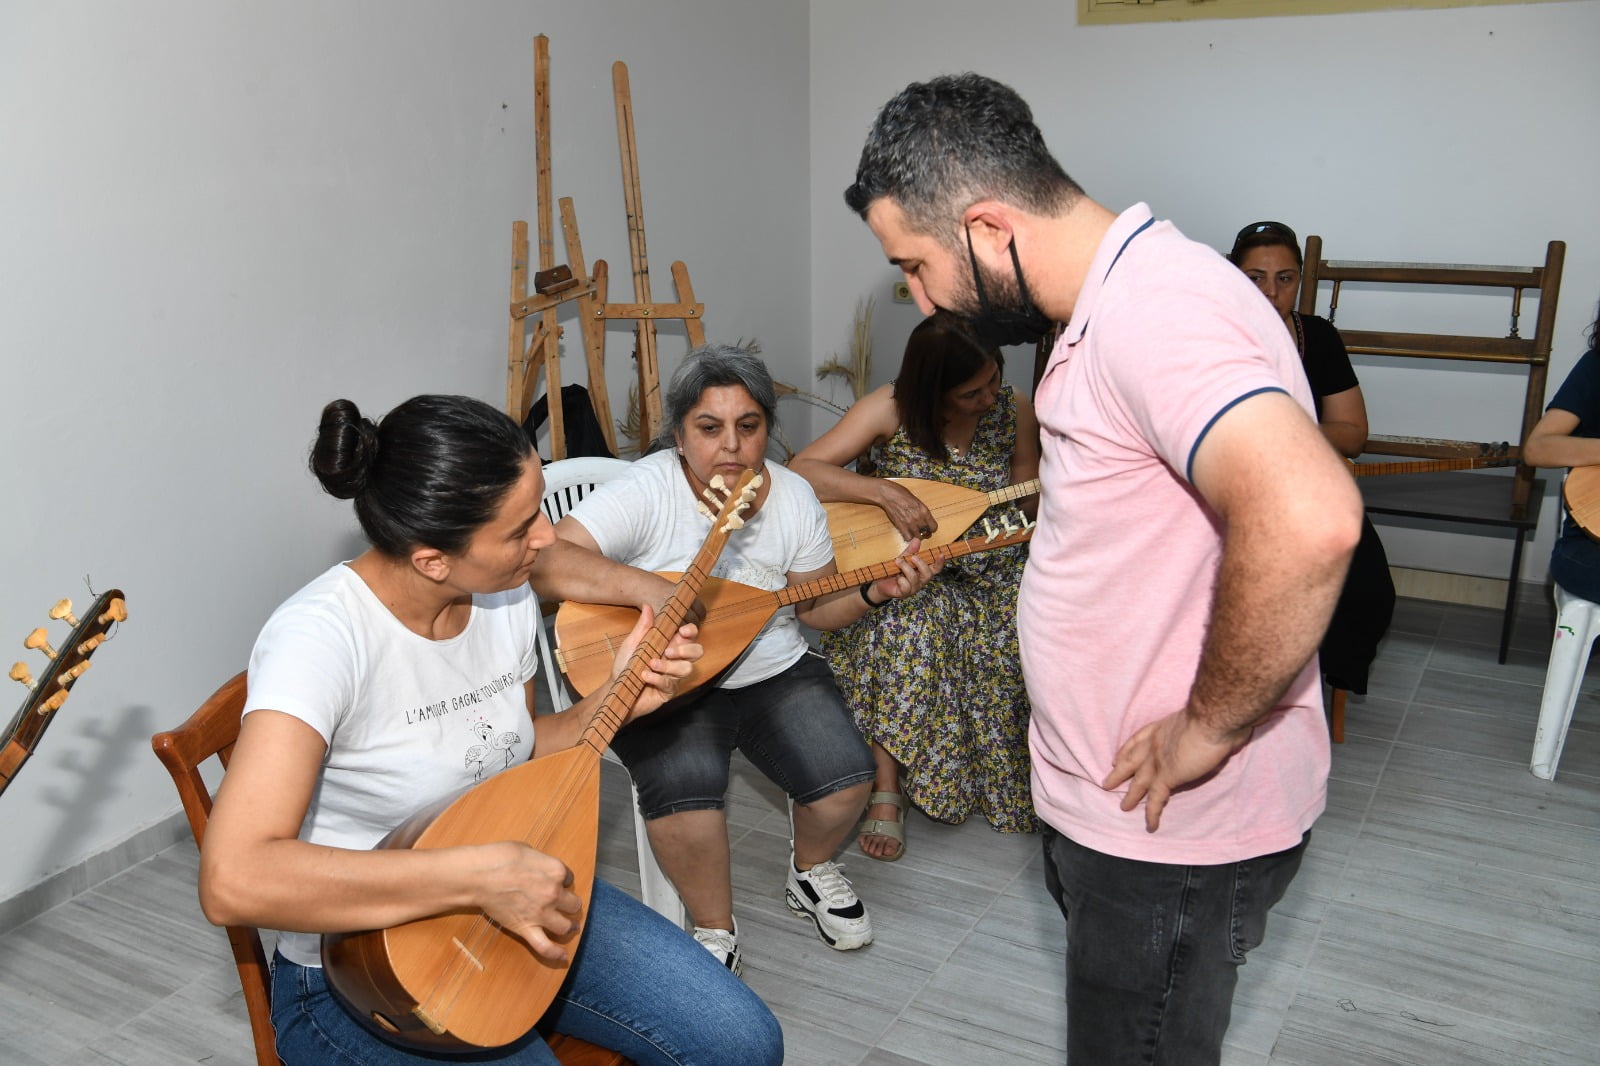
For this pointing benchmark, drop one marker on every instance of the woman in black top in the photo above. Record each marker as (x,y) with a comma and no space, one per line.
(1269,254)
(1569,435)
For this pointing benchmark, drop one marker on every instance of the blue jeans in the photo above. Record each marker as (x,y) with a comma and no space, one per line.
(793,726)
(638,985)
(1153,950)
(1575,564)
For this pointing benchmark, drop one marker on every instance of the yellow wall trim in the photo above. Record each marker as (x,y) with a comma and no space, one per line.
(1109,12)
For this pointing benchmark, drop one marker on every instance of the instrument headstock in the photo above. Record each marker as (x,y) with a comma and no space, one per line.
(726,507)
(63,665)
(1008,527)
(731,504)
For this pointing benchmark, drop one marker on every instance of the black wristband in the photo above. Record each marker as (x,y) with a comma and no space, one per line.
(868,599)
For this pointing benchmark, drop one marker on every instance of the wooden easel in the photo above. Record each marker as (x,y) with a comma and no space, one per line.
(556,285)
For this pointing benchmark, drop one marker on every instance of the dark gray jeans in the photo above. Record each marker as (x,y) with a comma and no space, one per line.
(1154,950)
(794,727)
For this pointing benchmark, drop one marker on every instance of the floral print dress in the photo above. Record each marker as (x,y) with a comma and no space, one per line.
(936,678)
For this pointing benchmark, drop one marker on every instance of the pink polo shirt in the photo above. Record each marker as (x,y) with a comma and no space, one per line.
(1165,337)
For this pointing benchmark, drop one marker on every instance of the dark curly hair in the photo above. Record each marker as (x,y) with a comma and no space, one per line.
(942,145)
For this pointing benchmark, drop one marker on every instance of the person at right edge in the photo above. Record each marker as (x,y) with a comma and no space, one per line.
(1566,436)
(1194,531)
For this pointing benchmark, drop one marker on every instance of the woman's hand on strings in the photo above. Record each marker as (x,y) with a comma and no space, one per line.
(663,674)
(530,894)
(662,591)
(915,572)
(909,515)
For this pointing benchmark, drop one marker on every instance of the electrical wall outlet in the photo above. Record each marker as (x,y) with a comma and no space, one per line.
(902,293)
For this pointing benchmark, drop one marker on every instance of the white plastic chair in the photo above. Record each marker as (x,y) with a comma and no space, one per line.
(1577,625)
(565,483)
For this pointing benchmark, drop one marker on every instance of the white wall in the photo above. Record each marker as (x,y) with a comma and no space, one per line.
(1457,136)
(218,217)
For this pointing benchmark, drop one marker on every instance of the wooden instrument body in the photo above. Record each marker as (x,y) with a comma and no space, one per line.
(50,689)
(457,978)
(587,634)
(862,533)
(1581,491)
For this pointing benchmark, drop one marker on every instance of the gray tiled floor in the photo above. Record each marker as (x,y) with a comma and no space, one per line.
(1448,911)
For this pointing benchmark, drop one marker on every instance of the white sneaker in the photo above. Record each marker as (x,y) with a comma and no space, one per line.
(824,895)
(723,945)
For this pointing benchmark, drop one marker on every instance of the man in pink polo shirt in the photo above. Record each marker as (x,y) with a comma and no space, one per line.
(1194,529)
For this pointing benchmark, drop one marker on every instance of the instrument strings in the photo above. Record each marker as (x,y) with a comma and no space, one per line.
(756,599)
(477,938)
(483,931)
(652,645)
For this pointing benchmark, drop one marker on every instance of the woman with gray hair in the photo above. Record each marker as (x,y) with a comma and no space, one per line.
(778,704)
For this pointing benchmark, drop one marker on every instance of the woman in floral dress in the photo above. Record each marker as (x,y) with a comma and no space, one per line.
(934,680)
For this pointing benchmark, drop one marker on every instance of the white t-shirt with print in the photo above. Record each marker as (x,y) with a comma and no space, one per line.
(647,518)
(408,720)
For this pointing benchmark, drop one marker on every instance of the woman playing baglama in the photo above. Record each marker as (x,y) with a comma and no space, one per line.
(399,679)
(778,704)
(935,683)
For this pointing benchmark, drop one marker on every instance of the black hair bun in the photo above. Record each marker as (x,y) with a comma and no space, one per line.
(344,451)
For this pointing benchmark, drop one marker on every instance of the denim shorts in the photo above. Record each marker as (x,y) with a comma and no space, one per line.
(1154,950)
(793,726)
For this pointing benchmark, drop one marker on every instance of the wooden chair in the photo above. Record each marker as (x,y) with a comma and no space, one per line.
(212,731)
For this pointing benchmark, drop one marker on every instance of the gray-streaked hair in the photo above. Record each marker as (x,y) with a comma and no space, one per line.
(707,367)
(942,145)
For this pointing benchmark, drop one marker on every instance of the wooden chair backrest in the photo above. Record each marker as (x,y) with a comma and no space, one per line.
(211,732)
(566,481)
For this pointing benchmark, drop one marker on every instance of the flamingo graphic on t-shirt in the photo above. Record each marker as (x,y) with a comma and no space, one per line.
(478,754)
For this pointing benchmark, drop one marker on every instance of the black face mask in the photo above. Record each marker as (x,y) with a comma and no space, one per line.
(1003,326)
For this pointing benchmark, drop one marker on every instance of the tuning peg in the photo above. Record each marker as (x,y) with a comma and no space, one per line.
(38,641)
(116,611)
(54,702)
(63,609)
(72,674)
(19,674)
(91,644)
